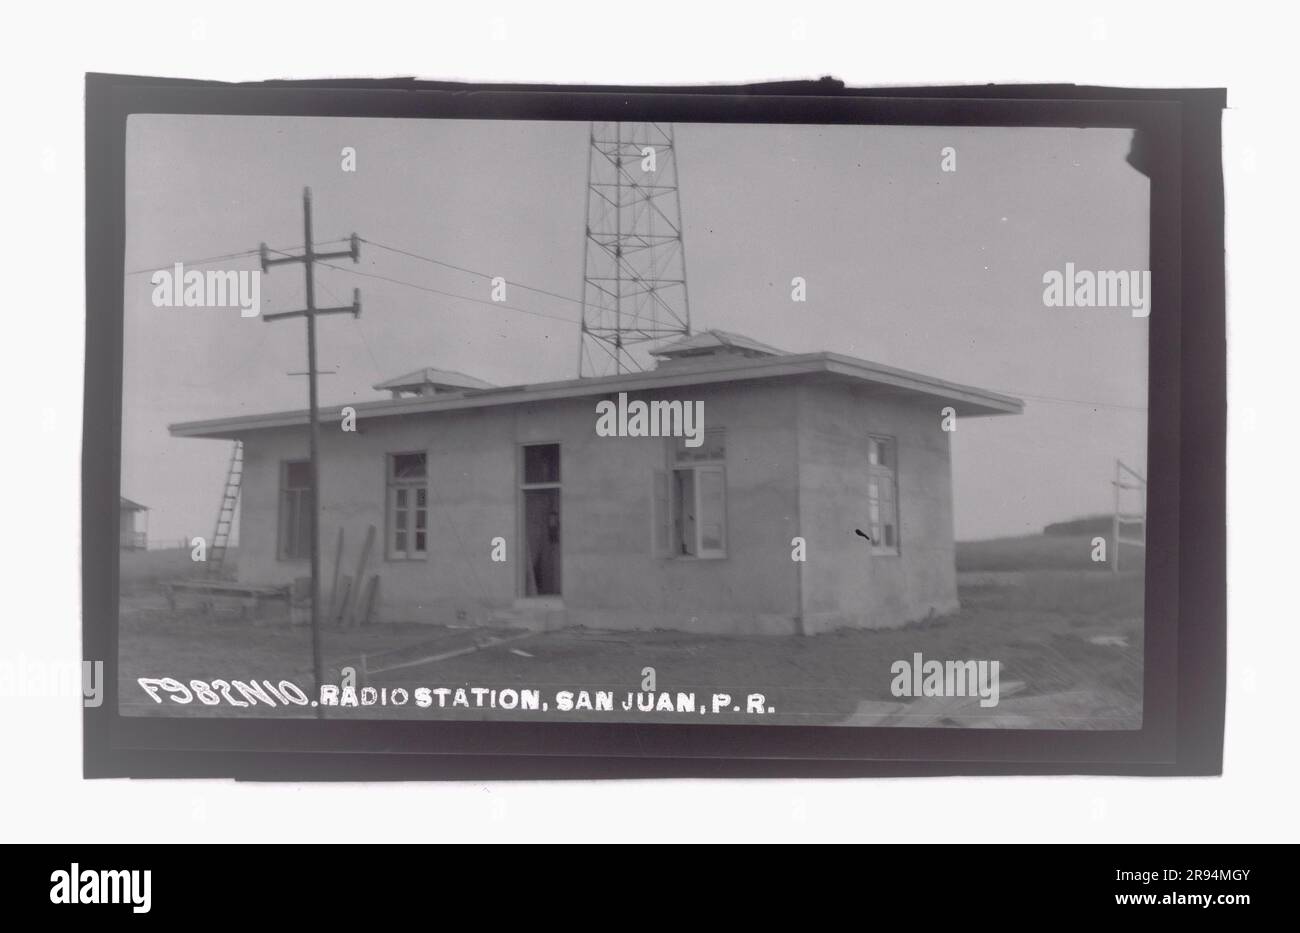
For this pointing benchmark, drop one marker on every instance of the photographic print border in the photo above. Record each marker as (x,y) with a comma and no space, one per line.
(1185,595)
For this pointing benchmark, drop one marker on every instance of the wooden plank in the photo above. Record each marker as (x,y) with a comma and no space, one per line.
(349,616)
(345,590)
(372,593)
(228,588)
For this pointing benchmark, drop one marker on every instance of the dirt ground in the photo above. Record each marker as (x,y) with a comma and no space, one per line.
(1069,640)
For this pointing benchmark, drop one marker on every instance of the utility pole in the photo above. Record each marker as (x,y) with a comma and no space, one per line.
(309,258)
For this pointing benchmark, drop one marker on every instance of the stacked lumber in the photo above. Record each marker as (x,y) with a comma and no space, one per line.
(353,598)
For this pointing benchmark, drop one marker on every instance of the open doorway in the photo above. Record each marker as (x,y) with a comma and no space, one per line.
(541,519)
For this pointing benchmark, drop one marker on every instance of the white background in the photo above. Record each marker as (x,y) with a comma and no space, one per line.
(47,48)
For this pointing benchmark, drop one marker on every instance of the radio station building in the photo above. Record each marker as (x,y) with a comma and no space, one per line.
(504,505)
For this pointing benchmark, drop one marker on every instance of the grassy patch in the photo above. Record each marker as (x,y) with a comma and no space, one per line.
(1042,552)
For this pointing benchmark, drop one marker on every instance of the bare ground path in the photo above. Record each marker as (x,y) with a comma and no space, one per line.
(1073,638)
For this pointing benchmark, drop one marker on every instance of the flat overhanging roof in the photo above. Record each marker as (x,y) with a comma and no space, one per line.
(967,401)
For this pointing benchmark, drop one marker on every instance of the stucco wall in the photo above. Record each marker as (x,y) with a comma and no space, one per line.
(470,494)
(843,583)
(611,578)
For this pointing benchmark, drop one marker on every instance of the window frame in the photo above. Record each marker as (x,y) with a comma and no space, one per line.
(283,529)
(524,484)
(412,485)
(716,465)
(886,473)
(521,491)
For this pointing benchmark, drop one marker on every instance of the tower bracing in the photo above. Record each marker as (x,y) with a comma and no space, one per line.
(634,262)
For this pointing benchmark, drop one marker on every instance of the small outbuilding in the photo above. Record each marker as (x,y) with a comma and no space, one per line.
(132,525)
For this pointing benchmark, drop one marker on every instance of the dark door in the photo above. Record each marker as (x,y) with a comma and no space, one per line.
(542,537)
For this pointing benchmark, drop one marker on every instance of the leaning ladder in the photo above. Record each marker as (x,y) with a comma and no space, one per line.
(1128,480)
(226,515)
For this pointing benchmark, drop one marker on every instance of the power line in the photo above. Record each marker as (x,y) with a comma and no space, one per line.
(482,275)
(496,304)
(1051,399)
(379,372)
(438,291)
(450,265)
(1072,401)
(195,262)
(222,258)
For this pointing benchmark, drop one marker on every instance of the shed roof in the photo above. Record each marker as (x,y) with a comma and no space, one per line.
(125,503)
(884,380)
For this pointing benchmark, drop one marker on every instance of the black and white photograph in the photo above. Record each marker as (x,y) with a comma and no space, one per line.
(650,424)
(773,424)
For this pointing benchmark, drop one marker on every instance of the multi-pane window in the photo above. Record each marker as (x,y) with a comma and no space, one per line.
(699,497)
(408,506)
(882,494)
(295,510)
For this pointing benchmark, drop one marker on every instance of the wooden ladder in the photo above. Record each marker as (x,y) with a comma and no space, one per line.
(226,515)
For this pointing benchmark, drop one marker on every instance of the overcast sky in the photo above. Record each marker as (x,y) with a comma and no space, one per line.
(905,265)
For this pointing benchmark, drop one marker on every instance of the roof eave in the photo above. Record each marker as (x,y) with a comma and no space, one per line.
(966,400)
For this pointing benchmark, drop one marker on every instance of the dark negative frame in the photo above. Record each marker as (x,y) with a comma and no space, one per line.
(1185,630)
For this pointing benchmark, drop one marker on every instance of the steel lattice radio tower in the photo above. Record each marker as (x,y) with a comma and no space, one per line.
(634,261)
